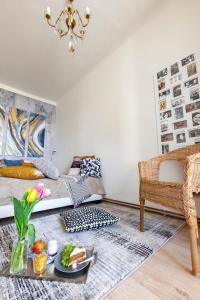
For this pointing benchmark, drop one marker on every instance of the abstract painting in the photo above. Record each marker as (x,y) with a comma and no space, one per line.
(2,122)
(36,135)
(16,133)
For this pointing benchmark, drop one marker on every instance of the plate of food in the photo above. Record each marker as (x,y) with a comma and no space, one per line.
(72,258)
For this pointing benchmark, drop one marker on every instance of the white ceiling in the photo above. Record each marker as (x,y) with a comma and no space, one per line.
(35,60)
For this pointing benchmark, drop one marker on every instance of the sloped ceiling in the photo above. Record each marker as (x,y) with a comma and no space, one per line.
(35,60)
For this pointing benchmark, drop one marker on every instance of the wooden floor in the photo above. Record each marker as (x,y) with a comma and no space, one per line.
(165,276)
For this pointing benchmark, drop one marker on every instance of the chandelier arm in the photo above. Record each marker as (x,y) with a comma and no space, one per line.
(65,33)
(59,17)
(83,24)
(77,35)
(49,23)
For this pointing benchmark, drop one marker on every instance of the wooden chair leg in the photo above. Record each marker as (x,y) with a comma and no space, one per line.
(142,203)
(193,247)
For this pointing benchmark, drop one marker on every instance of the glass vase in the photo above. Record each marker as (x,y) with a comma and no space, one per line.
(19,257)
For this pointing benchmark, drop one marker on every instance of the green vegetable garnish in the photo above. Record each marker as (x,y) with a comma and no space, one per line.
(65,256)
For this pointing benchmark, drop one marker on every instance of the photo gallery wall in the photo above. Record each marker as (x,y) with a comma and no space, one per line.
(178,104)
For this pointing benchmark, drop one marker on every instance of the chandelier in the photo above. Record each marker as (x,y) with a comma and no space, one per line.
(69,23)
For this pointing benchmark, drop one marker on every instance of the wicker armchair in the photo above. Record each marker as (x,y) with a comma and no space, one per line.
(174,195)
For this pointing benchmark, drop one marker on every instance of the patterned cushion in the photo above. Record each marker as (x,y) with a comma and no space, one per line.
(46,167)
(87,218)
(91,167)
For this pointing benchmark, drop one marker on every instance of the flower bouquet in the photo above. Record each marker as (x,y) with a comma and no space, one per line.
(22,212)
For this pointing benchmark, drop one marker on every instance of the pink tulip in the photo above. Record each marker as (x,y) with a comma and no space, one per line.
(45,193)
(39,187)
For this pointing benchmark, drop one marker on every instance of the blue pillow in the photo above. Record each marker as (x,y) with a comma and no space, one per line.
(13,163)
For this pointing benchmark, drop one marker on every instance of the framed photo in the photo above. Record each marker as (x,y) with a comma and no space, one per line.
(178,102)
(194,133)
(165,148)
(162,73)
(174,69)
(161,84)
(179,114)
(181,138)
(164,127)
(167,137)
(192,69)
(187,60)
(196,118)
(165,115)
(194,94)
(192,106)
(177,91)
(191,82)
(164,94)
(180,125)
(163,105)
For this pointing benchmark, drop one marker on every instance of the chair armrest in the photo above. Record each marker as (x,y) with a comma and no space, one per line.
(192,172)
(149,169)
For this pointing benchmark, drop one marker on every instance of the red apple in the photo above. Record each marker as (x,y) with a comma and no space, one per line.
(39,246)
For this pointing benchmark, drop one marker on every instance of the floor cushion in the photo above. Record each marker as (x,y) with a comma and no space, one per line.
(87,218)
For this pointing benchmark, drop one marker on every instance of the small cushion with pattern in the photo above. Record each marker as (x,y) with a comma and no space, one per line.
(87,218)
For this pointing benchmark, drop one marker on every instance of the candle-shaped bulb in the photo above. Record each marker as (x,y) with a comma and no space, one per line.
(48,11)
(87,10)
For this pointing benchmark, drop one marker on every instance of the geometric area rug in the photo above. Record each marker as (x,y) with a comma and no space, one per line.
(121,249)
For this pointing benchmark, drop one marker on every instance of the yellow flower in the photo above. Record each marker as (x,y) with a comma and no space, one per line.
(28,190)
(32,196)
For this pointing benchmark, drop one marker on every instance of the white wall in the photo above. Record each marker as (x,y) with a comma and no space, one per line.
(111,111)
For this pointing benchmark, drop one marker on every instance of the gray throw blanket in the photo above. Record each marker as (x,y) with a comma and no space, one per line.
(81,188)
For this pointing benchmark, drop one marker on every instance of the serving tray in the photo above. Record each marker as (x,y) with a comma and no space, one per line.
(51,274)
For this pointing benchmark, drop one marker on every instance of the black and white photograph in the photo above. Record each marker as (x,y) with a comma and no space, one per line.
(174,69)
(177,91)
(194,94)
(162,73)
(165,148)
(196,118)
(187,60)
(191,82)
(164,93)
(194,133)
(164,127)
(192,106)
(167,137)
(178,112)
(192,69)
(165,115)
(178,102)
(180,138)
(180,125)
(161,84)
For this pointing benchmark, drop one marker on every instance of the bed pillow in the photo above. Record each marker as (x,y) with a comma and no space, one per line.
(12,163)
(46,167)
(91,167)
(21,172)
(87,218)
(75,167)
